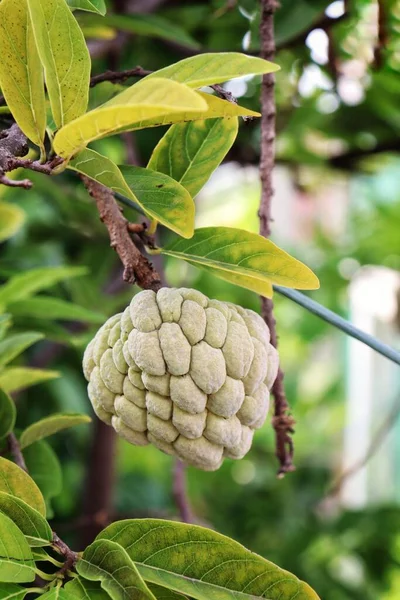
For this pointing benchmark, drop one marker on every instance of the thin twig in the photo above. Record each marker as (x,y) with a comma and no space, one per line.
(15,451)
(382,40)
(71,557)
(180,492)
(118,76)
(136,267)
(376,442)
(282,422)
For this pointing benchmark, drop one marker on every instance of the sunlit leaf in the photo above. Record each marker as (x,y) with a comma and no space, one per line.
(142,101)
(44,468)
(65,58)
(95,6)
(162,198)
(16,561)
(201,563)
(49,426)
(13,480)
(11,591)
(48,307)
(18,378)
(32,524)
(29,282)
(14,345)
(190,152)
(11,217)
(216,108)
(243,258)
(108,562)
(21,73)
(8,414)
(214,67)
(5,324)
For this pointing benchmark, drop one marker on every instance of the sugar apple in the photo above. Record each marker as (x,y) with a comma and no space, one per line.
(188,374)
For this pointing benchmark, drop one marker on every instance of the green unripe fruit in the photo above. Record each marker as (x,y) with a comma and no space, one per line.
(185,373)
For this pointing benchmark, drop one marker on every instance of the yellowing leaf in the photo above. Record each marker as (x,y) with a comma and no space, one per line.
(32,524)
(215,108)
(65,58)
(21,73)
(214,67)
(8,414)
(190,152)
(244,258)
(162,198)
(142,101)
(11,219)
(13,480)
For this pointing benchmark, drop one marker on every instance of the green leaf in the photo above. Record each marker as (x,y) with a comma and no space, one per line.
(190,152)
(11,217)
(95,6)
(81,589)
(5,323)
(29,282)
(201,563)
(147,25)
(144,100)
(48,307)
(8,414)
(44,468)
(32,524)
(161,197)
(294,18)
(13,480)
(10,591)
(65,58)
(57,594)
(21,73)
(214,67)
(16,560)
(49,426)
(18,378)
(14,345)
(162,593)
(243,258)
(102,560)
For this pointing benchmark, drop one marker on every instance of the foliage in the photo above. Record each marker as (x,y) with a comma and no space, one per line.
(348,556)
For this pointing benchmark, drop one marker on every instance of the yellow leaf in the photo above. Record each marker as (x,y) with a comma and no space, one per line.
(11,220)
(214,67)
(21,73)
(140,102)
(65,58)
(246,259)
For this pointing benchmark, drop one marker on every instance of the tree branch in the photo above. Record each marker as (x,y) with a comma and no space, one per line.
(382,40)
(15,451)
(136,267)
(180,492)
(118,76)
(282,422)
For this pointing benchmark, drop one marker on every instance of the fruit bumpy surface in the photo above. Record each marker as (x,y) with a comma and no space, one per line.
(188,374)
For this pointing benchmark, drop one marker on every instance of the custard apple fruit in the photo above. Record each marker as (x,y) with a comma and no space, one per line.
(185,373)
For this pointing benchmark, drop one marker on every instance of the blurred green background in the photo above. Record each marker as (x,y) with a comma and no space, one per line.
(337,207)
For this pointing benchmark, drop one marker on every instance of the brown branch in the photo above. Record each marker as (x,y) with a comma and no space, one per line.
(15,451)
(180,492)
(71,557)
(136,267)
(118,76)
(282,422)
(382,40)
